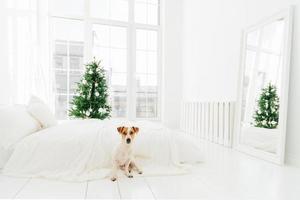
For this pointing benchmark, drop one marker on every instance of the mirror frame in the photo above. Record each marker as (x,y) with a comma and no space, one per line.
(277,157)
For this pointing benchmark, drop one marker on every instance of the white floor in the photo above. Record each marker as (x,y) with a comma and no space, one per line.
(225,174)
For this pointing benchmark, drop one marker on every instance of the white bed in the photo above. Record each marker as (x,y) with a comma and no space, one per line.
(80,150)
(15,124)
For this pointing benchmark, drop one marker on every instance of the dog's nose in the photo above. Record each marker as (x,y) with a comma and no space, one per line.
(128,140)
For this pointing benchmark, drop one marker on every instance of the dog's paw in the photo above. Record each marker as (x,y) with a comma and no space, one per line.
(130,176)
(140,172)
(113,178)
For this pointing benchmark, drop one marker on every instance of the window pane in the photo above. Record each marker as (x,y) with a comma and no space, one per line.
(76,55)
(119,10)
(146,105)
(61,48)
(118,79)
(21,4)
(141,105)
(269,69)
(152,102)
(118,37)
(110,45)
(67,7)
(61,106)
(109,36)
(146,40)
(60,62)
(70,100)
(119,102)
(140,12)
(68,30)
(141,81)
(100,8)
(152,62)
(109,9)
(146,81)
(76,62)
(76,49)
(152,81)
(272,38)
(68,53)
(61,81)
(103,54)
(146,62)
(152,14)
(141,61)
(252,38)
(60,55)
(250,63)
(248,75)
(146,69)
(146,12)
(118,58)
(146,96)
(74,79)
(101,35)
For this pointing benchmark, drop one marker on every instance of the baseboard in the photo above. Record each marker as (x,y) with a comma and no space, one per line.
(292,160)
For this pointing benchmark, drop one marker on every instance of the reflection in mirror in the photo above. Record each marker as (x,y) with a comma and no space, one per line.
(262,86)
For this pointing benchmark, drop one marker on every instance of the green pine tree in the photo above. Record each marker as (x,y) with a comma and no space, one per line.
(267,113)
(91,99)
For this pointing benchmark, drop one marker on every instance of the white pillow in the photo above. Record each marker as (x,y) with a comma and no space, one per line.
(39,110)
(15,124)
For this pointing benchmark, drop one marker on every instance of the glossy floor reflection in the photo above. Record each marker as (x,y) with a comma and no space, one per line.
(225,174)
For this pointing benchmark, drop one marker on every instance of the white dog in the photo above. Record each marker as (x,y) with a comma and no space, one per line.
(123,154)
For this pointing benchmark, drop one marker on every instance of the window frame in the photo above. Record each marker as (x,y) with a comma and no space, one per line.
(131,27)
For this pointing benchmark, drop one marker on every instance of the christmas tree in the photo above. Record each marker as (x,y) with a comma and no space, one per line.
(91,98)
(267,113)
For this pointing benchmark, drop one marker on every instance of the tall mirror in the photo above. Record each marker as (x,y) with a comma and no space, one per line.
(263,92)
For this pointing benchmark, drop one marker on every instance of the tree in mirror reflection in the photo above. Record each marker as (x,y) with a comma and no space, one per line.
(267,112)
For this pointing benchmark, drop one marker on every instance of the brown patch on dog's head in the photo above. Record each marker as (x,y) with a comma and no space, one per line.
(128,133)
(135,129)
(122,129)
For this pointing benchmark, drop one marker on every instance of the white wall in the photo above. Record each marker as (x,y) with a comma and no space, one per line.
(211,45)
(172,51)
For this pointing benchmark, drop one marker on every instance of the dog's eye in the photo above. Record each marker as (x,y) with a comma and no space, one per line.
(131,132)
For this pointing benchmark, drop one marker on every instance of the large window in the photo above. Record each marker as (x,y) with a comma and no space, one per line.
(146,72)
(110,44)
(124,35)
(68,48)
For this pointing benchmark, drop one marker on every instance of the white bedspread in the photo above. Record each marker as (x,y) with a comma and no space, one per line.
(81,150)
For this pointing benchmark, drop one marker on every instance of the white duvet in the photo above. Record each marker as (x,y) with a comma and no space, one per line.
(81,150)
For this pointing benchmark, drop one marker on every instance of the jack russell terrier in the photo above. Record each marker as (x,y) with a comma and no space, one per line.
(123,157)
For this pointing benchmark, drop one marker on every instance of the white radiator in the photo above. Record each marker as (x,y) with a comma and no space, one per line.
(212,121)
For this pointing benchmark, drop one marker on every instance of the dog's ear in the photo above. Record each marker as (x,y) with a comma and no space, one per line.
(121,129)
(135,129)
